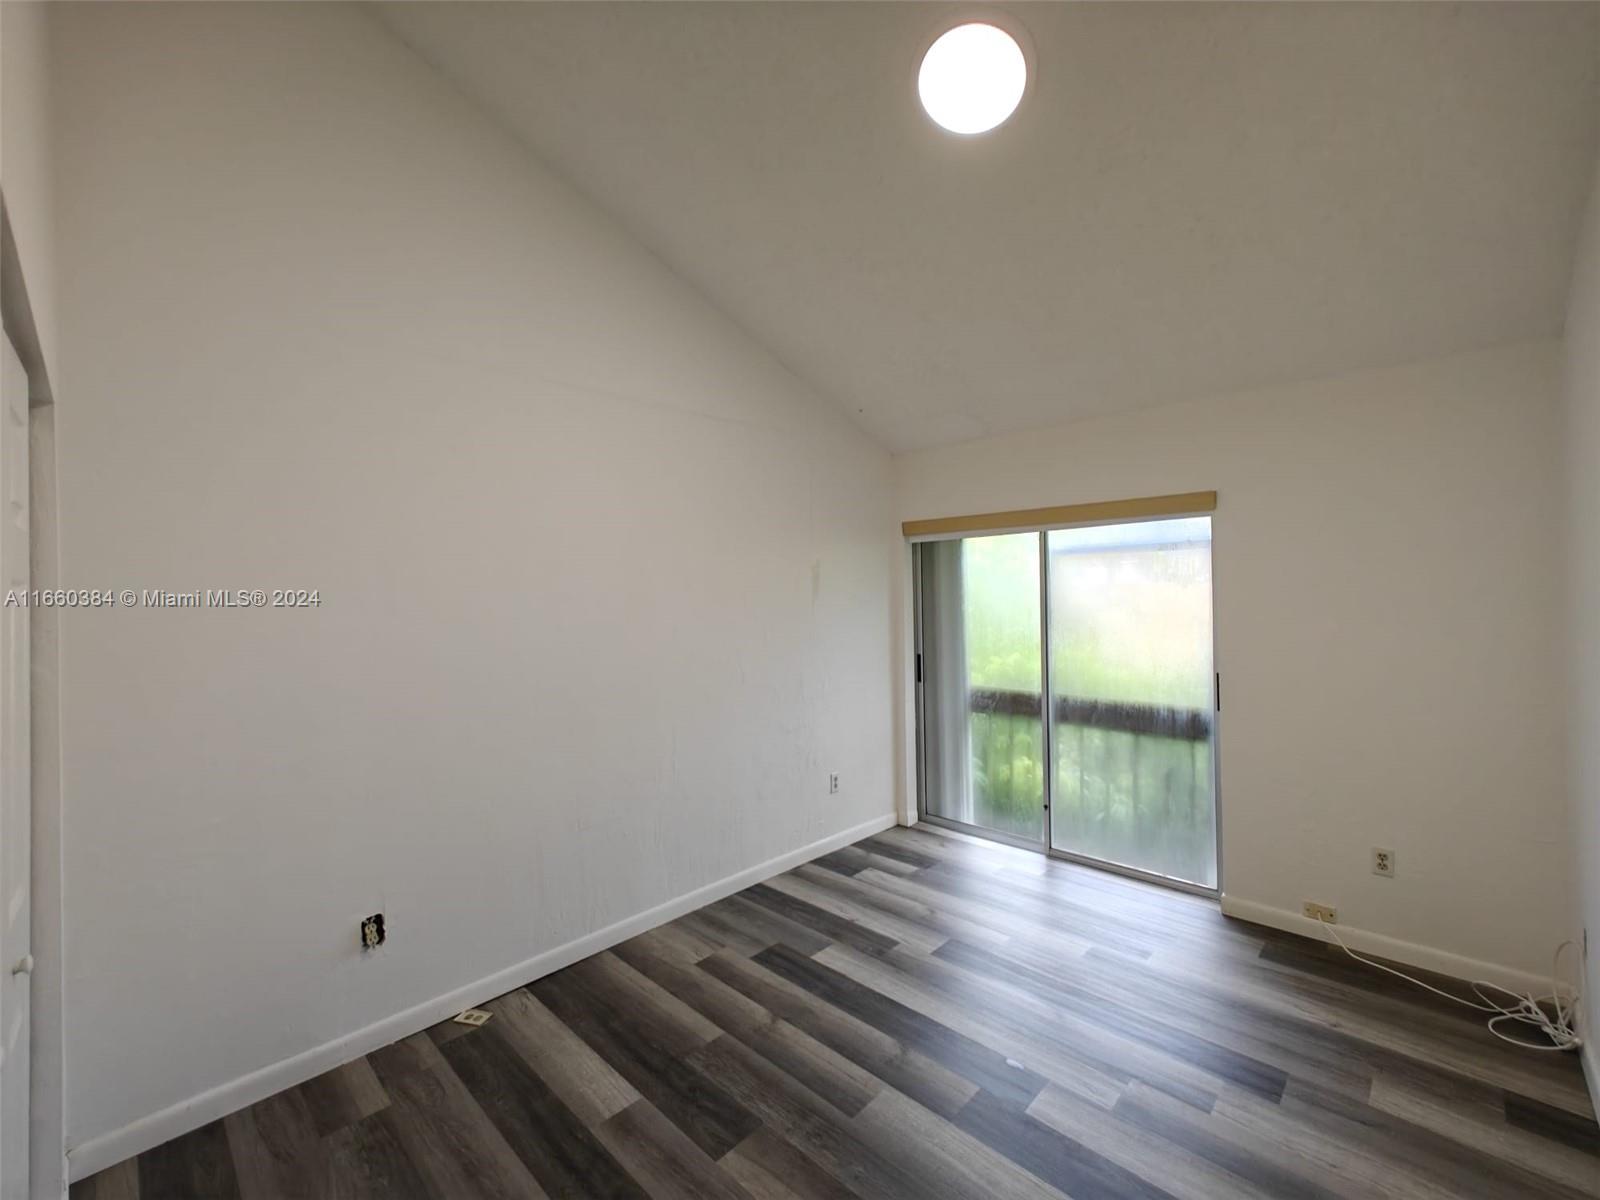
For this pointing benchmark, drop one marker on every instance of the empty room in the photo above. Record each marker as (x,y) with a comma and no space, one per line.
(800,601)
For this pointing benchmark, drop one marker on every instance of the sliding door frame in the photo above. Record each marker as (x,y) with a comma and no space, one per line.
(918,675)
(954,532)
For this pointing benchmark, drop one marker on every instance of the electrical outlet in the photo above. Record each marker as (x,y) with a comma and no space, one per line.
(1321,912)
(833,782)
(473,1017)
(372,932)
(1382,861)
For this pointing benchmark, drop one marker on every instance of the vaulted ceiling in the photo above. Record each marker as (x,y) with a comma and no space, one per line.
(1192,198)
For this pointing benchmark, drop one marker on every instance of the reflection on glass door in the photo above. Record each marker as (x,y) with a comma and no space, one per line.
(1131,696)
(982,706)
(1126,774)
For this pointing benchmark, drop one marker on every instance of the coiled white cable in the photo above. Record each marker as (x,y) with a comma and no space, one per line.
(1528,1010)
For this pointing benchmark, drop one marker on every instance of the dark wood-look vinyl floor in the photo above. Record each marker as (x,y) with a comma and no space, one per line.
(922,1016)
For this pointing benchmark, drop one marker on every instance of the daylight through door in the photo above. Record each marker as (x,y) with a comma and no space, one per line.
(1066,692)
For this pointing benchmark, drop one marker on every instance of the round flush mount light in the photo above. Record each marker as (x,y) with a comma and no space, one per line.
(972,78)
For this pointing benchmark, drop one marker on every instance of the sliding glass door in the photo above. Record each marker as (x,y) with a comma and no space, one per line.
(1131,696)
(982,696)
(1113,624)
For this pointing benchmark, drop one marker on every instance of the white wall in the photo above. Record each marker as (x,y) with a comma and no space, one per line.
(605,591)
(1387,599)
(1582,438)
(26,171)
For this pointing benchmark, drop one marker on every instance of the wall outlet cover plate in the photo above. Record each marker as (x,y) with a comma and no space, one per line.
(473,1017)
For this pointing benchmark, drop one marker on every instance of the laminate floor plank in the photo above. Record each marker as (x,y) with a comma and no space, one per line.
(1241,1018)
(1227,1022)
(769,1168)
(1277,1168)
(119,1182)
(277,1149)
(932,923)
(664,1161)
(1208,1055)
(1034,911)
(967,1057)
(845,1085)
(344,1095)
(902,1066)
(817,1130)
(1167,1164)
(1074,1046)
(1355,1030)
(1483,1122)
(931,1147)
(586,1083)
(1465,1171)
(1003,1025)
(199,1163)
(886,845)
(849,907)
(722,931)
(1000,926)
(727,1009)
(752,927)
(674,942)
(366,1161)
(1050,1154)
(924,1016)
(846,861)
(1558,1124)
(444,1130)
(561,1152)
(831,926)
(627,1040)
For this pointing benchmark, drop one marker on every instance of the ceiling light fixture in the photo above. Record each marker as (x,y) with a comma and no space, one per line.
(972,78)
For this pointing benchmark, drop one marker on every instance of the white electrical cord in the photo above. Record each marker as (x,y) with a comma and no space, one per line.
(1528,1010)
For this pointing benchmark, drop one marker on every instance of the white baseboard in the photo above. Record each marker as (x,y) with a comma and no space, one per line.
(1382,946)
(138,1136)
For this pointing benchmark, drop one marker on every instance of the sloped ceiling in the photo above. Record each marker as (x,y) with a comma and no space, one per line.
(1192,198)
